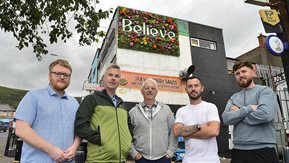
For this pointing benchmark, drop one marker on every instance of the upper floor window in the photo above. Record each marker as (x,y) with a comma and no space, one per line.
(203,44)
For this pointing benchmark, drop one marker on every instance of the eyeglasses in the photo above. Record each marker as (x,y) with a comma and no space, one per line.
(60,74)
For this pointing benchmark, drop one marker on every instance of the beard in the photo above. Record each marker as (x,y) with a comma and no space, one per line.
(244,83)
(59,85)
(194,97)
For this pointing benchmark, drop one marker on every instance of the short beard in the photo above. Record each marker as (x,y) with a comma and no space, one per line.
(246,84)
(194,97)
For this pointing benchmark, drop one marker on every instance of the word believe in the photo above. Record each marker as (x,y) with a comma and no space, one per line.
(145,29)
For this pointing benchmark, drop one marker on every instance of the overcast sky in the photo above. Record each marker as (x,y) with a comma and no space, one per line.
(240,22)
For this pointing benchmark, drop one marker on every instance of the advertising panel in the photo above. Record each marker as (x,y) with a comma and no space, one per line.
(145,31)
(134,80)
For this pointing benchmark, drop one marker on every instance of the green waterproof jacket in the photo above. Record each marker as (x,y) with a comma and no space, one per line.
(105,127)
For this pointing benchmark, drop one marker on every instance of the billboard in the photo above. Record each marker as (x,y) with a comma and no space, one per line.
(145,31)
(133,80)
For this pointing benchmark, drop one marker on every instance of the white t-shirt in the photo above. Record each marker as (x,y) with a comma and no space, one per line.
(199,150)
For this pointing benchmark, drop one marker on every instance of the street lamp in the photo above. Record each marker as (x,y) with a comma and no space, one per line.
(56,55)
(258,2)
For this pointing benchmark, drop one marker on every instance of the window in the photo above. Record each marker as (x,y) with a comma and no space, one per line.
(203,44)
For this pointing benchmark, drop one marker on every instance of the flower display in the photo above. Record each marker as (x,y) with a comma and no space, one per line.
(145,31)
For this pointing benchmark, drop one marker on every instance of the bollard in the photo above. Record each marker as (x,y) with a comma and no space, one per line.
(19,144)
(8,143)
(80,157)
(286,154)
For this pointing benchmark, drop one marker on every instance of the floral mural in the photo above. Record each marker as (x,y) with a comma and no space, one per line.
(145,31)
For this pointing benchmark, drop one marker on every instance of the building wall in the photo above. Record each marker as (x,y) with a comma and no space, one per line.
(211,65)
(108,49)
(151,63)
(261,55)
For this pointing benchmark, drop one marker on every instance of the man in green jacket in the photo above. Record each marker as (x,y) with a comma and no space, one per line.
(103,121)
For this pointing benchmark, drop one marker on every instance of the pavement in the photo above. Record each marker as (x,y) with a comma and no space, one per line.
(3,140)
(4,159)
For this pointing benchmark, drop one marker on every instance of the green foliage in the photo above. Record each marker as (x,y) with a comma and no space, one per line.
(152,32)
(30,20)
(11,96)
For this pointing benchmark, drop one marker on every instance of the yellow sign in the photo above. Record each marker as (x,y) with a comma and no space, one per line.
(269,16)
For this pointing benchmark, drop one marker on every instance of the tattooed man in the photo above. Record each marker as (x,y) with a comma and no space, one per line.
(199,123)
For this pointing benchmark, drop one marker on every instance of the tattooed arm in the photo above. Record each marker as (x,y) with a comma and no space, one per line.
(181,130)
(208,130)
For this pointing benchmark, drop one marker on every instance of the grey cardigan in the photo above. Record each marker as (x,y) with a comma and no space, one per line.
(153,138)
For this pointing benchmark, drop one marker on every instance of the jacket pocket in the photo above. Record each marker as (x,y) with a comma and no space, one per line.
(99,143)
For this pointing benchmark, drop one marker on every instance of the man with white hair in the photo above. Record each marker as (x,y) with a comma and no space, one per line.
(152,122)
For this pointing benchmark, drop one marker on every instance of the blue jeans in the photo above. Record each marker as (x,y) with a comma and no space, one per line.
(161,160)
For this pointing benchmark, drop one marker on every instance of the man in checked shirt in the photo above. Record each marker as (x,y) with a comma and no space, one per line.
(152,122)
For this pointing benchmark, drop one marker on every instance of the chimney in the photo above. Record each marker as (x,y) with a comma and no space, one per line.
(261,39)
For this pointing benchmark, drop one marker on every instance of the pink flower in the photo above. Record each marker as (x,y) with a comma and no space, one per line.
(131,44)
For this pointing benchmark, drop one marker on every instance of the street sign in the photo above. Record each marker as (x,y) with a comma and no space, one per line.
(269,16)
(271,21)
(279,78)
(91,86)
(274,45)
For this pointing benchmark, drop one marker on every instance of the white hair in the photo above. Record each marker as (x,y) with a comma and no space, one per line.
(149,79)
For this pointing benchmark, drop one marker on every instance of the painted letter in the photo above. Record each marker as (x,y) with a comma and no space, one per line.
(163,34)
(171,34)
(124,25)
(137,28)
(154,32)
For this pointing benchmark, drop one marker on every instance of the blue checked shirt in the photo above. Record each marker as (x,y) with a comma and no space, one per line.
(114,100)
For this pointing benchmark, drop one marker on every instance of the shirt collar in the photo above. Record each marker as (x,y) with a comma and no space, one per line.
(114,100)
(52,92)
(144,105)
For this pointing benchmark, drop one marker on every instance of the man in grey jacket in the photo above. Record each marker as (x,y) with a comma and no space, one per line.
(252,112)
(152,121)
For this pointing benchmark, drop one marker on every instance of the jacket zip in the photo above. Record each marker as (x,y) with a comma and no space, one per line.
(151,123)
(119,145)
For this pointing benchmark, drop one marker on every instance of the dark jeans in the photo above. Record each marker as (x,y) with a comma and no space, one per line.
(161,160)
(263,155)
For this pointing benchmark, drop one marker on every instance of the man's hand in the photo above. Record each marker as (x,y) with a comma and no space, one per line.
(70,152)
(57,154)
(234,108)
(167,156)
(138,156)
(254,107)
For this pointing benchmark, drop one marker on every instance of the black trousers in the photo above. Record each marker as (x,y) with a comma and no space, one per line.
(263,155)
(161,160)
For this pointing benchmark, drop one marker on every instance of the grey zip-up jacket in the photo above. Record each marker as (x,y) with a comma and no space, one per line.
(252,129)
(153,138)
